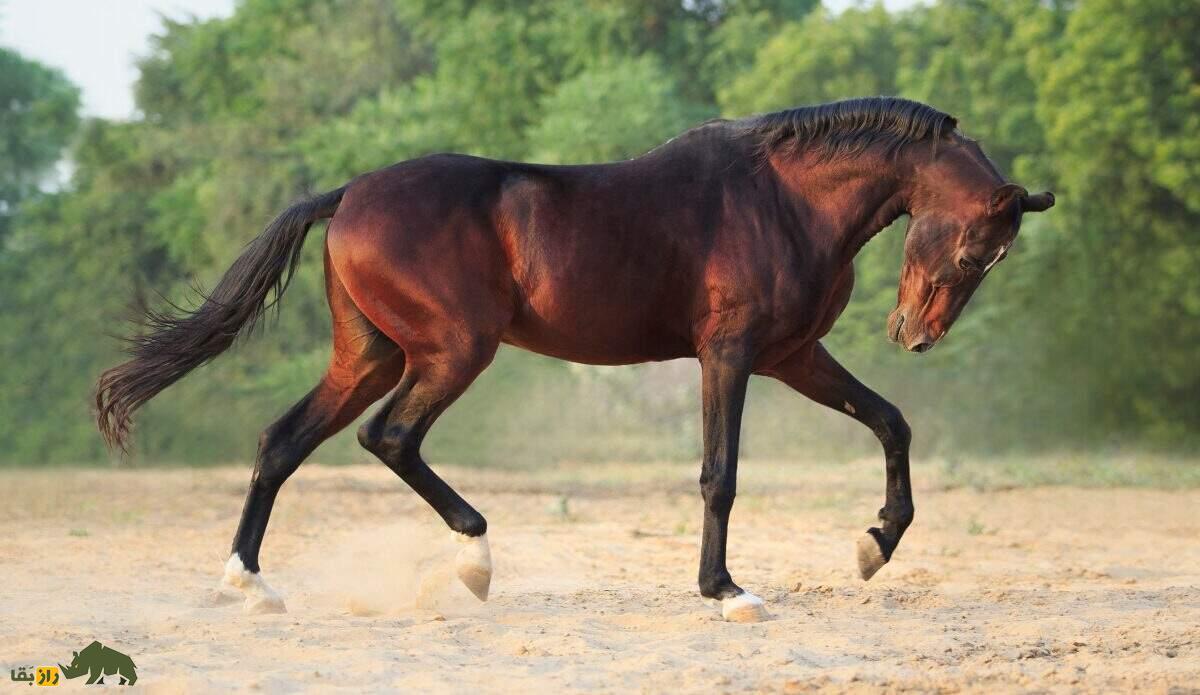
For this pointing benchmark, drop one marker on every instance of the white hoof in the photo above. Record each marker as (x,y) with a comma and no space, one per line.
(744,608)
(870,557)
(260,598)
(473,565)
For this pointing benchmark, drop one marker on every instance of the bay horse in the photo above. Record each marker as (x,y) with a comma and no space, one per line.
(732,243)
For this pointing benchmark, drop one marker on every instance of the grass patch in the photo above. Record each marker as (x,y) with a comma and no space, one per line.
(1072,469)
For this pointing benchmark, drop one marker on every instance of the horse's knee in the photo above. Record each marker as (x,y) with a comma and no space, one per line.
(893,430)
(898,515)
(717,497)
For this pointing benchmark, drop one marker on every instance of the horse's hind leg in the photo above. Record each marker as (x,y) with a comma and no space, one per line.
(328,408)
(429,385)
(365,365)
(426,268)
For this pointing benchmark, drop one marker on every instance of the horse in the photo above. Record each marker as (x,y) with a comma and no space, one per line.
(732,243)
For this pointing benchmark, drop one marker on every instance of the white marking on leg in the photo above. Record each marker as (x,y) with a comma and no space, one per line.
(473,564)
(743,608)
(260,598)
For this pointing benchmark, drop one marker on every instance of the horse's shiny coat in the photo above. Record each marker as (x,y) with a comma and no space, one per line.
(732,243)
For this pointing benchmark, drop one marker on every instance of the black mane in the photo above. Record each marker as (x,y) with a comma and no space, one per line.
(847,127)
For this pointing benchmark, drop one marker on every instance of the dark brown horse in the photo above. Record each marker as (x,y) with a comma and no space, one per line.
(732,243)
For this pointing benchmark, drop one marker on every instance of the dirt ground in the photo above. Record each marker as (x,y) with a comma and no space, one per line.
(1020,590)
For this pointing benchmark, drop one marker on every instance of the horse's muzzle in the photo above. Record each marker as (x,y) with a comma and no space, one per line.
(921,342)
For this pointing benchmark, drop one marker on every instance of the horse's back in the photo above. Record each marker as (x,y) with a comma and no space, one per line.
(581,262)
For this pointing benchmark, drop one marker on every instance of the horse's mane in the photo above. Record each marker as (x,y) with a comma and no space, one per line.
(843,128)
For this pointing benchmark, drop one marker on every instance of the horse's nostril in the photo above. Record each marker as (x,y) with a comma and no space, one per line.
(921,347)
(895,336)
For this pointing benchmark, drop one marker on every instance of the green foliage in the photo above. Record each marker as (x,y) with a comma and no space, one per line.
(822,57)
(37,117)
(1122,112)
(1085,337)
(611,111)
(973,59)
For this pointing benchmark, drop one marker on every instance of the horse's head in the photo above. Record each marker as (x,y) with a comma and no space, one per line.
(963,220)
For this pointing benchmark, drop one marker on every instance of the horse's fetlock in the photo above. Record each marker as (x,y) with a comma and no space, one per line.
(473,525)
(898,516)
(718,586)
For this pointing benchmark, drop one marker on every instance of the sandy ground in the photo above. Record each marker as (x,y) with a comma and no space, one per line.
(1023,590)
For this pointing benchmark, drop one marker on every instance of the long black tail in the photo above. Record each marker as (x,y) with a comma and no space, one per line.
(175,345)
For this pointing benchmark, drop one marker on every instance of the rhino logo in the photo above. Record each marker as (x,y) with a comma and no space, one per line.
(99,661)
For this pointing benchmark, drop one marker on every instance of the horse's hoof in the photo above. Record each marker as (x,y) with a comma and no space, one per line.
(260,598)
(744,608)
(870,556)
(473,565)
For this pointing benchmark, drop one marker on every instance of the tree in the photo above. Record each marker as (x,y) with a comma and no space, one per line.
(1121,104)
(1089,328)
(38,116)
(820,58)
(613,111)
(981,61)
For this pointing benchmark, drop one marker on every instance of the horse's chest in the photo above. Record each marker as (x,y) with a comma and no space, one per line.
(838,297)
(809,313)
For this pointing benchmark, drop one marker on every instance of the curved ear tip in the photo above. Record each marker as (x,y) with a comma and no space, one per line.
(1040,201)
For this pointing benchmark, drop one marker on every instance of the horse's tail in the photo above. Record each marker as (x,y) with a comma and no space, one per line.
(177,344)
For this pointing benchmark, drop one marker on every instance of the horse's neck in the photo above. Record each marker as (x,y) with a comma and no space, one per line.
(878,213)
(854,199)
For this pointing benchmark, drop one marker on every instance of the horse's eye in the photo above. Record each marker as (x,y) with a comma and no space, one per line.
(968,264)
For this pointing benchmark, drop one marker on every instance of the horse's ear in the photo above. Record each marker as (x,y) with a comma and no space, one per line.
(1038,202)
(1003,196)
(948,126)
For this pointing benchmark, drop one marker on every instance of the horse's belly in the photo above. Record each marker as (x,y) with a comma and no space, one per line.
(596,336)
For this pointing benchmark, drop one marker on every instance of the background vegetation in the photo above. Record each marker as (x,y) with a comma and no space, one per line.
(1085,339)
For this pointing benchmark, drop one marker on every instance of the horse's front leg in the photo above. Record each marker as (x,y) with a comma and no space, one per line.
(817,375)
(725,372)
